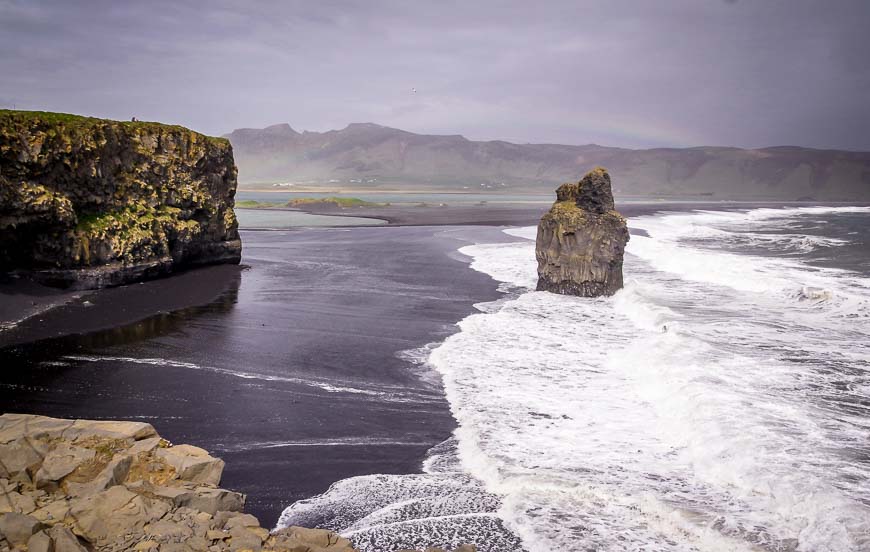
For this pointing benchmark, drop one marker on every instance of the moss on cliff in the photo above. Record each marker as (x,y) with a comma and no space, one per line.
(78,192)
(58,123)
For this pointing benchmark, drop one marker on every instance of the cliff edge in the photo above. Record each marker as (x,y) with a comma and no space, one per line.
(581,240)
(90,202)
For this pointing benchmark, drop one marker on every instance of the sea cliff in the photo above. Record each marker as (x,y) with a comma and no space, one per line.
(581,240)
(90,202)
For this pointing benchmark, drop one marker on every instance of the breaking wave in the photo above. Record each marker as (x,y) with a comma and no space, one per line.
(718,402)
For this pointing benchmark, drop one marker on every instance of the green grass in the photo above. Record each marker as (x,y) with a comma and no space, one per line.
(343,202)
(252,204)
(81,122)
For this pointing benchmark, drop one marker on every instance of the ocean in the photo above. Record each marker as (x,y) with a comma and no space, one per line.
(720,401)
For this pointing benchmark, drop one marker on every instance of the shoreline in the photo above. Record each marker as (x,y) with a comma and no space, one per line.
(283,439)
(63,312)
(267,372)
(509,214)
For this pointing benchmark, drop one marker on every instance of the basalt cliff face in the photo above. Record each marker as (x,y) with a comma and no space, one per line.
(89,202)
(581,240)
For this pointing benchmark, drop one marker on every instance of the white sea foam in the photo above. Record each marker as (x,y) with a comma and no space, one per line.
(385,393)
(742,427)
(583,425)
(443,506)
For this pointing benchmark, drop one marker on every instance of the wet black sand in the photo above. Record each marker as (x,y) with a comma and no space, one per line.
(290,375)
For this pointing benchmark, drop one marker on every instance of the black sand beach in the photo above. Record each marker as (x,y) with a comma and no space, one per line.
(290,369)
(291,374)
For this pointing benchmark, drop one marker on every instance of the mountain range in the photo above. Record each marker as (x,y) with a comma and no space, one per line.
(369,156)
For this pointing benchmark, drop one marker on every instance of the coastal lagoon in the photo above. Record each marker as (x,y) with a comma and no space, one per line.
(410,198)
(278,219)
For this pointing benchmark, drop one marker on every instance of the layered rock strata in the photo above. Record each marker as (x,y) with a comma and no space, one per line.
(85,486)
(581,240)
(89,202)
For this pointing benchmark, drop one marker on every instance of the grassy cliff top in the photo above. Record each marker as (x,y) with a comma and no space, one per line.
(80,122)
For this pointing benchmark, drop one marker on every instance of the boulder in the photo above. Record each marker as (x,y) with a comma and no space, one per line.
(315,538)
(15,426)
(193,463)
(21,457)
(14,501)
(53,512)
(145,445)
(243,539)
(40,542)
(581,240)
(18,528)
(241,520)
(165,530)
(60,462)
(113,474)
(83,429)
(64,540)
(105,516)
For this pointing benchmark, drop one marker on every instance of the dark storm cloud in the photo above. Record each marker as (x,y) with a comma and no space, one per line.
(631,73)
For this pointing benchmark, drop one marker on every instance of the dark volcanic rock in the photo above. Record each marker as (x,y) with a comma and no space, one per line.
(89,202)
(581,240)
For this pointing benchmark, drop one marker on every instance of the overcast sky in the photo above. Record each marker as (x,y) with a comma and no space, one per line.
(637,73)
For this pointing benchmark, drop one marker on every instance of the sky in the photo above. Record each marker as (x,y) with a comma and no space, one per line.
(641,73)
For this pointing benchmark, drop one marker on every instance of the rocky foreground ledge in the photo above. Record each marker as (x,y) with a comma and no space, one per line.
(81,485)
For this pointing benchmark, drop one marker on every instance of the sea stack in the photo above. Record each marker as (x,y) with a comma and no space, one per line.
(88,203)
(581,240)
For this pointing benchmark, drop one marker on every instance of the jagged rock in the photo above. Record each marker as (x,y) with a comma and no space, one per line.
(64,540)
(19,457)
(13,501)
(316,539)
(243,539)
(53,512)
(145,445)
(113,474)
(90,202)
(60,462)
(40,542)
(211,500)
(18,528)
(581,240)
(118,486)
(105,516)
(193,463)
(33,428)
(241,520)
(164,530)
(83,429)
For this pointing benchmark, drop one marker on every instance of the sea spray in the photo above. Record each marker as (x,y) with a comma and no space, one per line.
(710,405)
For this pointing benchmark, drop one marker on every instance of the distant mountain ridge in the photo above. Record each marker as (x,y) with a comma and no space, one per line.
(366,155)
